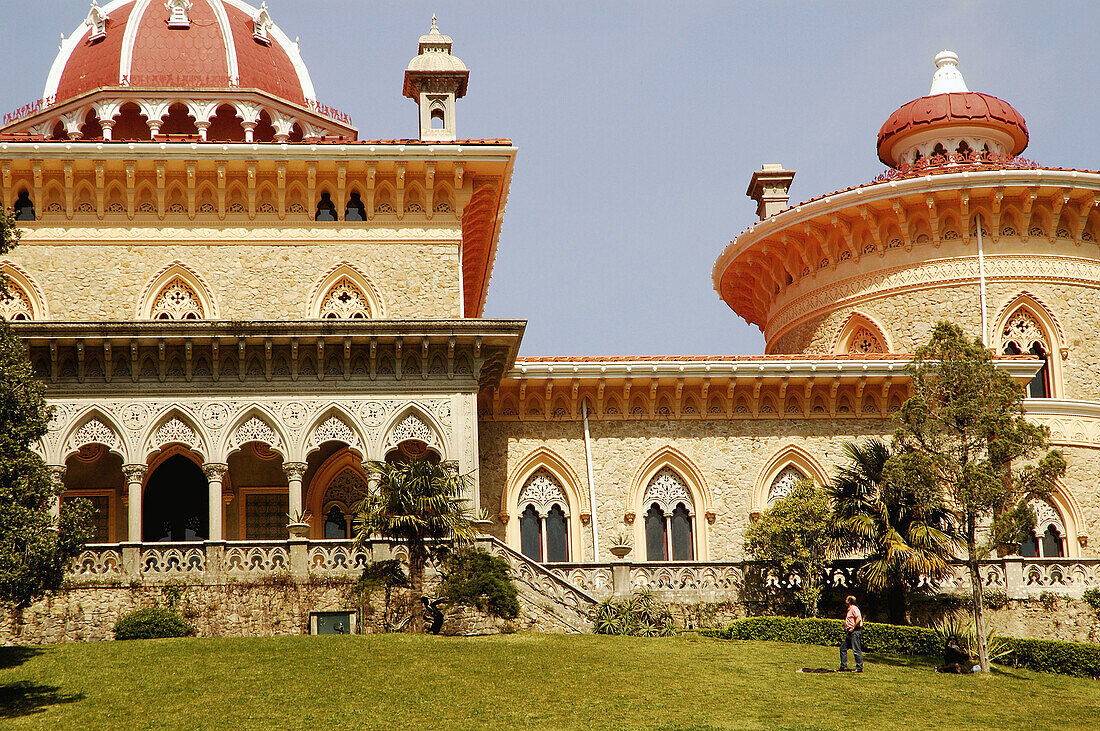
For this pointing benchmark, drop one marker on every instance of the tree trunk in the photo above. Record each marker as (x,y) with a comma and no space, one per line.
(979,604)
(895,603)
(416,582)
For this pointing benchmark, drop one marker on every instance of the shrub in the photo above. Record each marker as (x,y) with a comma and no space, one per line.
(642,615)
(1051,656)
(151,623)
(1092,598)
(481,580)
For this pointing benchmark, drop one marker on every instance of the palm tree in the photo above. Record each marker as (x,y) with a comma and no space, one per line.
(417,502)
(902,535)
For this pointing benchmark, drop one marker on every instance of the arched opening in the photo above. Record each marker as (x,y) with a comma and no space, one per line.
(963,151)
(58,133)
(530,533)
(544,518)
(439,119)
(326,209)
(1022,333)
(265,130)
(1048,540)
(24,207)
(355,210)
(260,502)
(175,506)
(177,301)
(335,483)
(939,150)
(669,530)
(225,125)
(131,124)
(94,473)
(296,133)
(178,121)
(91,129)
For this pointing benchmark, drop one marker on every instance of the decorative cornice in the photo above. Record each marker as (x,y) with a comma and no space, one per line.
(231,234)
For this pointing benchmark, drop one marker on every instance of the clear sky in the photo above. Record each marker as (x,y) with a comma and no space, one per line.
(639,124)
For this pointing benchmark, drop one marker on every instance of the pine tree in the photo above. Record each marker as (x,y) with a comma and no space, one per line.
(962,437)
(34,550)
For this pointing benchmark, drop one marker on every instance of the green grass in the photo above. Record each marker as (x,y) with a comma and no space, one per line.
(508,682)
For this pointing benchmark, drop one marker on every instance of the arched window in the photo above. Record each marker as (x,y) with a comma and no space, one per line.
(438,119)
(865,341)
(784,483)
(177,301)
(669,518)
(1023,334)
(355,211)
(24,208)
(342,494)
(544,518)
(345,301)
(174,507)
(326,209)
(1048,540)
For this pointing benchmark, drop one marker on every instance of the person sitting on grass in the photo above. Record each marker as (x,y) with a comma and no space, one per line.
(955,659)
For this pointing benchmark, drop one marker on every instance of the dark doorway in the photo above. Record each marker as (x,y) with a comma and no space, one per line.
(175,503)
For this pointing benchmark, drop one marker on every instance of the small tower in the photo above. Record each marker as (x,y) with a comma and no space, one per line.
(769,187)
(435,79)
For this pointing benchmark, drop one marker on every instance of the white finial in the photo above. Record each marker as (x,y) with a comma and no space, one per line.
(947,79)
(435,25)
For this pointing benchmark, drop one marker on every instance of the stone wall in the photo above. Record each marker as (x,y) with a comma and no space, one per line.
(249,277)
(730,455)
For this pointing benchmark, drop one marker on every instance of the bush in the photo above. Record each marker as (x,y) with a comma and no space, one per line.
(481,580)
(1092,598)
(147,624)
(642,615)
(1051,656)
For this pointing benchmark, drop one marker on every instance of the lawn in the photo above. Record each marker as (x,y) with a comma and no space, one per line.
(508,682)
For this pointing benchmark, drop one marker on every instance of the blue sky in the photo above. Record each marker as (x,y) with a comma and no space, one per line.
(639,124)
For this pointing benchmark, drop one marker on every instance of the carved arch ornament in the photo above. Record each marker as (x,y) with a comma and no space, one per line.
(345,293)
(255,424)
(413,423)
(790,463)
(175,426)
(561,475)
(25,300)
(176,292)
(1024,320)
(859,334)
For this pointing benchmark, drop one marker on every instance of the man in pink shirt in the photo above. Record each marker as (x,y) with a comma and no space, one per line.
(853,627)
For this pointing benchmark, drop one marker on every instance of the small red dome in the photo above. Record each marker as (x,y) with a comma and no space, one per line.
(218,49)
(968,108)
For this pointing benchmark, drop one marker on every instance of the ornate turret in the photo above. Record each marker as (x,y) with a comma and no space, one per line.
(435,79)
(951,123)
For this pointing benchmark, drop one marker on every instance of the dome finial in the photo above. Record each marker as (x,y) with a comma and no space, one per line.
(947,79)
(435,25)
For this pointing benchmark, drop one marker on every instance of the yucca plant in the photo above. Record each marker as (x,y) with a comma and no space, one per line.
(642,615)
(961,626)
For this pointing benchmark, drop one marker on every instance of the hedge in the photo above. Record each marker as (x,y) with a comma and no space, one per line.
(152,623)
(1052,656)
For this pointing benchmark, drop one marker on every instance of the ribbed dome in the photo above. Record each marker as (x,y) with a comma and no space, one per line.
(219,48)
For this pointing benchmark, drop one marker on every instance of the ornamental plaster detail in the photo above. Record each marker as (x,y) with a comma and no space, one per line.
(958,270)
(784,483)
(233,236)
(668,489)
(543,491)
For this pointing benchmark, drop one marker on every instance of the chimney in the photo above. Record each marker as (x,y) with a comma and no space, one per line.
(769,188)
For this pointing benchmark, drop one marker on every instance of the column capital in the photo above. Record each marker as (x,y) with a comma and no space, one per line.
(295,470)
(134,472)
(215,470)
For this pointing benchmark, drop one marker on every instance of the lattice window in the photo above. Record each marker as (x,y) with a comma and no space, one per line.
(345,301)
(177,301)
(668,489)
(1023,331)
(865,341)
(542,491)
(16,305)
(265,516)
(784,483)
(347,488)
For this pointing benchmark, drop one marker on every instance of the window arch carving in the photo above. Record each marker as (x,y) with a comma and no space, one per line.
(668,520)
(16,305)
(784,483)
(1025,327)
(778,476)
(345,301)
(860,335)
(24,300)
(177,301)
(345,293)
(544,518)
(1049,539)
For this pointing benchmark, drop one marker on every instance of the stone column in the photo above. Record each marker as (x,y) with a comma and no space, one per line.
(57,478)
(294,472)
(135,475)
(215,472)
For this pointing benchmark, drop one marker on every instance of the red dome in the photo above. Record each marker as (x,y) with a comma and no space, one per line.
(217,51)
(968,108)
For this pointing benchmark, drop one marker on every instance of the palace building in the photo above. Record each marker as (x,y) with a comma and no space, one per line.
(235,301)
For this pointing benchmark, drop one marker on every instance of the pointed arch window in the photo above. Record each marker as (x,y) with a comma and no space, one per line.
(177,301)
(24,207)
(1023,334)
(784,483)
(544,518)
(345,301)
(339,501)
(669,518)
(1048,540)
(355,211)
(326,209)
